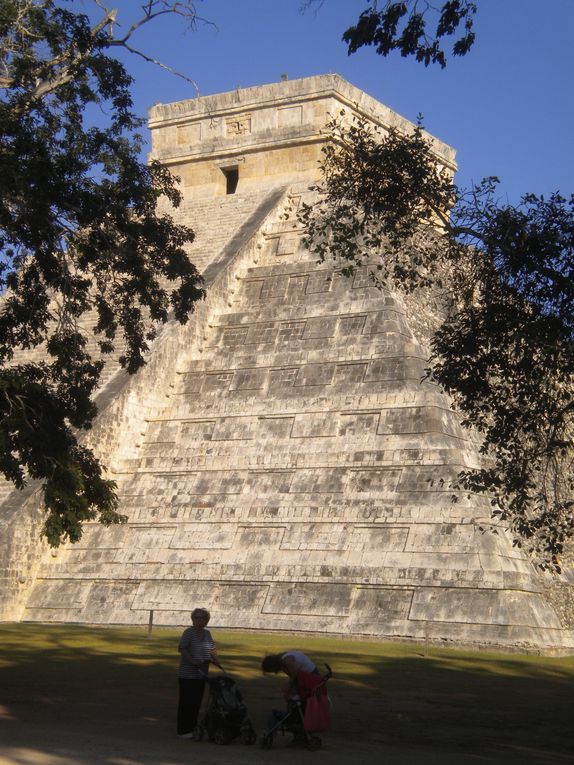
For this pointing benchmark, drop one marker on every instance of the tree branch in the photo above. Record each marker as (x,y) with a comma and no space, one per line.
(44,87)
(157,62)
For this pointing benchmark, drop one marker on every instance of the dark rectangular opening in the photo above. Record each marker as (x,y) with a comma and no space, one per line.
(232,179)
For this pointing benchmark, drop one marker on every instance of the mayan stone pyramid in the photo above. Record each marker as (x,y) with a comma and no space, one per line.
(279,458)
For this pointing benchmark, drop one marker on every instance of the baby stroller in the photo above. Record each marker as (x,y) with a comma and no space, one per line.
(295,720)
(226,717)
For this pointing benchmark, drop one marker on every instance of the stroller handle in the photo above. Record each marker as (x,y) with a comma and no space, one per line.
(220,666)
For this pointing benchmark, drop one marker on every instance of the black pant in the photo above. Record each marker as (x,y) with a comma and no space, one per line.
(190,696)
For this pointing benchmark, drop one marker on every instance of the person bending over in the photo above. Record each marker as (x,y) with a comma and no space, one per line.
(291,663)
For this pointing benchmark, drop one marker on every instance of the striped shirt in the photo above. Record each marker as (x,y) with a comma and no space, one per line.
(200,649)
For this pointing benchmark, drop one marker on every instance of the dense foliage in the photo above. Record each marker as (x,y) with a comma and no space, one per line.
(405,26)
(83,248)
(505,350)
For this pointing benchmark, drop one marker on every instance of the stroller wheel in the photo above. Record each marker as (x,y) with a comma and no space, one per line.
(248,736)
(266,741)
(222,736)
(314,743)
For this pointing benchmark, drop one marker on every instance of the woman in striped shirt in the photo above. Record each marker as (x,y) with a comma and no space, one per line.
(197,650)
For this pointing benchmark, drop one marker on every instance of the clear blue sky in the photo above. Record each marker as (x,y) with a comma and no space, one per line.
(507,107)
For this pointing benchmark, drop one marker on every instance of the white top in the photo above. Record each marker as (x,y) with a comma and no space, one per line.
(302,662)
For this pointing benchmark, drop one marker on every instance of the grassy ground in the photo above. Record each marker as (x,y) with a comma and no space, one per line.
(382,692)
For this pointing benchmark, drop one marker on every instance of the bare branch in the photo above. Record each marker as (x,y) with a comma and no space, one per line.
(152,9)
(155,8)
(155,61)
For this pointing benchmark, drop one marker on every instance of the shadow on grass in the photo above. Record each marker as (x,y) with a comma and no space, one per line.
(72,681)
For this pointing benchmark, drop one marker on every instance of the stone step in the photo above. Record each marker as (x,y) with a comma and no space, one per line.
(271,450)
(308,334)
(248,457)
(409,393)
(296,370)
(359,304)
(352,362)
(302,399)
(321,420)
(463,570)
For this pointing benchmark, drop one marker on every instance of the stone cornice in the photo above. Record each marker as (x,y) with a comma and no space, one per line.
(276,96)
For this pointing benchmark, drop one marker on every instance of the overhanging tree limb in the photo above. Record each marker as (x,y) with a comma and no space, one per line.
(81,238)
(505,347)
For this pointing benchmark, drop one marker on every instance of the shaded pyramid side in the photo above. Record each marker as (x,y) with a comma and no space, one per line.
(292,473)
(123,401)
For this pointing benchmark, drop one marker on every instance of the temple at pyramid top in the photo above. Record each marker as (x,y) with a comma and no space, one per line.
(263,134)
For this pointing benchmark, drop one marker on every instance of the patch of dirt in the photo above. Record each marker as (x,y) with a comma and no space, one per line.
(107,725)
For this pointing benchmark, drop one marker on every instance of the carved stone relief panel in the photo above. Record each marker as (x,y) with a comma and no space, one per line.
(239,125)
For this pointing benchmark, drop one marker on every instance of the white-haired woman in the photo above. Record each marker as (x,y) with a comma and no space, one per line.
(196,650)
